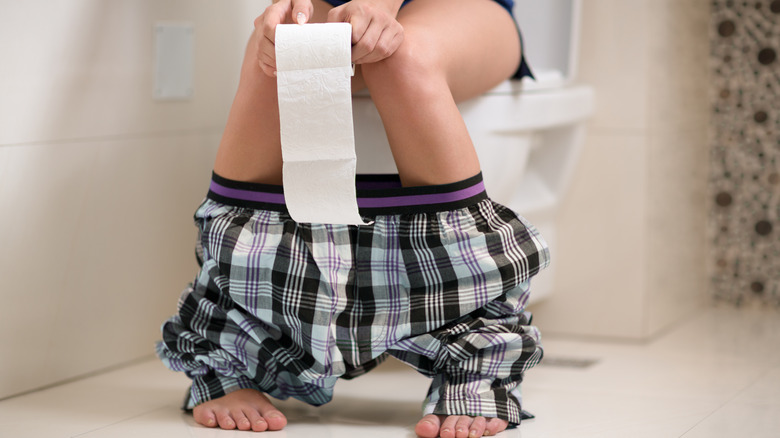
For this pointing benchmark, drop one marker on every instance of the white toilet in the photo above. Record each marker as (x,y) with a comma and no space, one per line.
(527,133)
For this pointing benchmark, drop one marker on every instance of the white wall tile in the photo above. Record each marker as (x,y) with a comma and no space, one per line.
(676,220)
(98,182)
(631,257)
(42,192)
(601,243)
(83,68)
(97,244)
(678,55)
(134,250)
(614,61)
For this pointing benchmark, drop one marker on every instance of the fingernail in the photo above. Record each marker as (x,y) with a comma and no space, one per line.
(301,17)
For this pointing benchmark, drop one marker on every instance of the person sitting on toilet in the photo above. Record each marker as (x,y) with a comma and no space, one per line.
(439,280)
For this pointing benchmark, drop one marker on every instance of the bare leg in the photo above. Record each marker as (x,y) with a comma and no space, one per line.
(452,50)
(250,149)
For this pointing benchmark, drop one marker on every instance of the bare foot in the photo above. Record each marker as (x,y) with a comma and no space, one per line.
(245,409)
(458,426)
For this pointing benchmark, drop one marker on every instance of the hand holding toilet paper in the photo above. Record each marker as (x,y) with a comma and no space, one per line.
(313,77)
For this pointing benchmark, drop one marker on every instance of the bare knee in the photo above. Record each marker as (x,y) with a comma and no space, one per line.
(413,67)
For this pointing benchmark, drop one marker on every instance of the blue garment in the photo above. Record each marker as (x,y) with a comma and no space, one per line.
(522,71)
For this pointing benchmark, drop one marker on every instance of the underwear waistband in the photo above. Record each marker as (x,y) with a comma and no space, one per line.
(377,194)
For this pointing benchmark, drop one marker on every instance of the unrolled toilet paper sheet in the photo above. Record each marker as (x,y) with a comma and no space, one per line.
(313,64)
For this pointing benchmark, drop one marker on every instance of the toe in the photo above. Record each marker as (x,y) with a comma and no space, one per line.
(428,427)
(225,420)
(275,419)
(258,422)
(448,427)
(204,417)
(242,422)
(462,426)
(477,428)
(495,426)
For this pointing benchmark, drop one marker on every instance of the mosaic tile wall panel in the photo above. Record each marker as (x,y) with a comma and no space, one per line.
(745,154)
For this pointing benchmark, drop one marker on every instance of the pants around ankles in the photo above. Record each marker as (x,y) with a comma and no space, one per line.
(439,281)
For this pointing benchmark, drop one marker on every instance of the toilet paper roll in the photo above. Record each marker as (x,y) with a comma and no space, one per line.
(313,71)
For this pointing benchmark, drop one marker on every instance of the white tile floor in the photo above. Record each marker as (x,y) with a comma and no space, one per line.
(718,375)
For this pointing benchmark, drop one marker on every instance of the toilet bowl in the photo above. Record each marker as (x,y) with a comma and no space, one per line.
(527,134)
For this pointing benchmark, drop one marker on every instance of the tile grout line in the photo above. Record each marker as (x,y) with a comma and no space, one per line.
(117,137)
(731,399)
(119,421)
(80,377)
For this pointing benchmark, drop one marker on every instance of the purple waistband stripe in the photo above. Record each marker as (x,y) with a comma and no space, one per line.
(247,195)
(436,198)
(376,194)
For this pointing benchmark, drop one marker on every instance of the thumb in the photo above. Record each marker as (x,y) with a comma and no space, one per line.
(302,10)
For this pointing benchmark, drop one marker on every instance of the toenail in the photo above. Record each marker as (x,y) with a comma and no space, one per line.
(211,422)
(445,429)
(473,434)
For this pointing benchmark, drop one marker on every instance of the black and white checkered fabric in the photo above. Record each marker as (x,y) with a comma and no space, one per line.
(289,308)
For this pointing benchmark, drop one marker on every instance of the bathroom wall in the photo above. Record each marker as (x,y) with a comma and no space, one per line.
(744,192)
(632,247)
(98,181)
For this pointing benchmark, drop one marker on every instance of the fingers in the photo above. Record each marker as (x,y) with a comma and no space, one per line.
(376,34)
(377,42)
(283,11)
(302,10)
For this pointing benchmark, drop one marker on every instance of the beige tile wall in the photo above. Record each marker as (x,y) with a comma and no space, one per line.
(631,231)
(98,181)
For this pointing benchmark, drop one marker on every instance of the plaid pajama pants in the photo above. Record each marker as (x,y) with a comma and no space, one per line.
(439,281)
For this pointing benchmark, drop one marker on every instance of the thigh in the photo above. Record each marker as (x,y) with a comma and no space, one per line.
(477,41)
(321,9)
